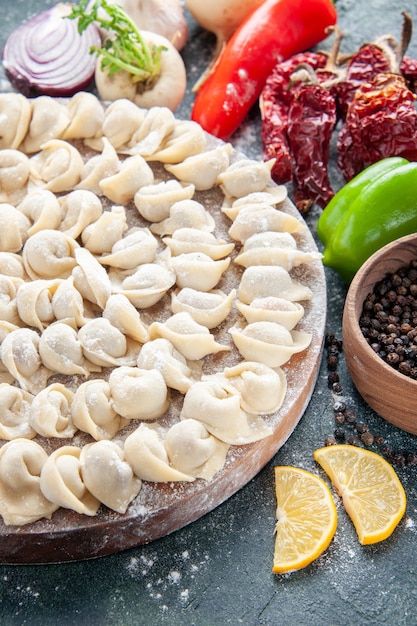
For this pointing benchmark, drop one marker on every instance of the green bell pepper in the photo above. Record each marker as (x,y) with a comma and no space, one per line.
(379,213)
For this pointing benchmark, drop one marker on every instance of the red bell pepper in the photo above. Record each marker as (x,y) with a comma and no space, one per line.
(275,31)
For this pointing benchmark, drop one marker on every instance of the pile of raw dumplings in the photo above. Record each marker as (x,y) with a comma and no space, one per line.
(81,280)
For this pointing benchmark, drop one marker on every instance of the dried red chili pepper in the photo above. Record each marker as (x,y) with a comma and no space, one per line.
(311,120)
(408,69)
(274,103)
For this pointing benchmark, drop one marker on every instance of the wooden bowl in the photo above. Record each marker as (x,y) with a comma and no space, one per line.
(388,392)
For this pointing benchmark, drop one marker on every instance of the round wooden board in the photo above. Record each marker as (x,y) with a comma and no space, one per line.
(160,509)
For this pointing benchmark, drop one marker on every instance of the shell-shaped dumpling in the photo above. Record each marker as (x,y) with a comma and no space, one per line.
(121,313)
(14,226)
(186,240)
(191,339)
(108,476)
(218,406)
(49,254)
(61,481)
(146,286)
(100,236)
(274,248)
(121,119)
(160,354)
(208,308)
(92,410)
(186,139)
(50,412)
(185,214)
(145,452)
(86,115)
(21,499)
(79,208)
(193,450)
(198,271)
(260,281)
(245,176)
(272,309)
(98,167)
(20,356)
(271,196)
(43,209)
(154,201)
(49,119)
(34,302)
(61,351)
(136,248)
(159,122)
(262,218)
(56,167)
(138,393)
(202,170)
(90,278)
(15,116)
(133,174)
(105,345)
(9,287)
(68,304)
(15,413)
(14,175)
(11,264)
(262,388)
(269,342)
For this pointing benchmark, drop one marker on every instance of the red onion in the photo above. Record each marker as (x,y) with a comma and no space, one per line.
(46,54)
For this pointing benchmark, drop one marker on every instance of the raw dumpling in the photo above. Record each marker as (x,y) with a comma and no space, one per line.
(9,287)
(245,176)
(98,167)
(20,356)
(262,218)
(14,175)
(15,116)
(186,240)
(138,393)
(56,167)
(121,313)
(49,254)
(21,499)
(49,119)
(218,406)
(100,236)
(15,413)
(43,210)
(193,450)
(61,351)
(79,208)
(185,214)
(260,281)
(92,410)
(271,196)
(34,302)
(158,124)
(274,248)
(262,388)
(191,339)
(90,278)
(161,355)
(197,270)
(50,412)
(272,309)
(11,264)
(105,345)
(86,115)
(61,481)
(207,308)
(146,286)
(154,201)
(121,119)
(203,169)
(137,248)
(14,226)
(133,174)
(68,304)
(269,342)
(145,452)
(186,139)
(108,476)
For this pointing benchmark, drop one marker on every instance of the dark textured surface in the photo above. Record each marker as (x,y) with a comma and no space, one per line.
(217,571)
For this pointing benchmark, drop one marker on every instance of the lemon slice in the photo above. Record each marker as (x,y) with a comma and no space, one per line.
(371,491)
(306,518)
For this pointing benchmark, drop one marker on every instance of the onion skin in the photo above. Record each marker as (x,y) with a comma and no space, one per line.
(46,55)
